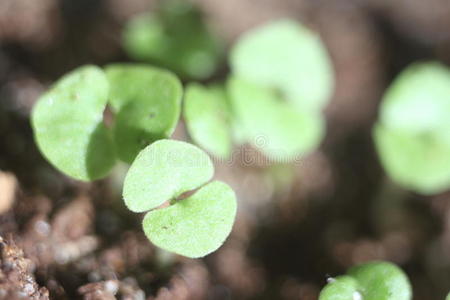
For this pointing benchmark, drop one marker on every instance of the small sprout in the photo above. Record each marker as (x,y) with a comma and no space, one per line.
(175,37)
(271,125)
(370,281)
(340,288)
(195,226)
(207,117)
(68,125)
(413,132)
(163,171)
(147,102)
(287,56)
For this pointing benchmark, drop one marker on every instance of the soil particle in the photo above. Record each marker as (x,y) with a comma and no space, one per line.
(16,279)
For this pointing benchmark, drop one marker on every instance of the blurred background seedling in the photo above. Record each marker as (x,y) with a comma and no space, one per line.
(174,36)
(412,134)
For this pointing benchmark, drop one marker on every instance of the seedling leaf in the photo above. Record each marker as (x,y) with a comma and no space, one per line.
(419,99)
(340,288)
(412,135)
(195,226)
(281,132)
(286,55)
(163,171)
(207,117)
(148,103)
(419,162)
(68,125)
(381,281)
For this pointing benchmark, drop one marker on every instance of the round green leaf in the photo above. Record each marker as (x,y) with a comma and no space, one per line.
(419,99)
(68,125)
(448,297)
(419,162)
(207,117)
(163,171)
(340,288)
(147,101)
(175,37)
(279,131)
(195,226)
(286,55)
(381,281)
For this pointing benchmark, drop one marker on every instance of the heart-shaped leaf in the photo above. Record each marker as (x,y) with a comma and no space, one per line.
(68,125)
(207,117)
(274,127)
(163,171)
(148,103)
(195,226)
(381,281)
(340,288)
(286,55)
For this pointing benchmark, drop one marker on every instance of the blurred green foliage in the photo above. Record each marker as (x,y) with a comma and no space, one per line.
(288,57)
(208,118)
(174,36)
(412,134)
(271,125)
(281,80)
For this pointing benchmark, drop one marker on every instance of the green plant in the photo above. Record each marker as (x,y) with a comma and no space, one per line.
(376,280)
(69,130)
(412,134)
(281,80)
(175,37)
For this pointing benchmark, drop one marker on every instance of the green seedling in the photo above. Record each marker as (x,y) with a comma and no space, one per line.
(145,101)
(175,37)
(288,57)
(208,118)
(194,226)
(370,281)
(412,134)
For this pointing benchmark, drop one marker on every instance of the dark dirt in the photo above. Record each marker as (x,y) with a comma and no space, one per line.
(68,240)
